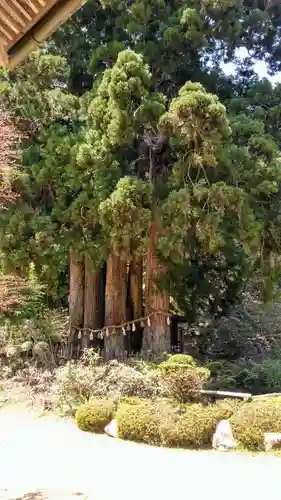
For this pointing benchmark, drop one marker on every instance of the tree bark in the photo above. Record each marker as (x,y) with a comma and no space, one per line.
(136,301)
(115,306)
(76,294)
(136,270)
(156,338)
(93,317)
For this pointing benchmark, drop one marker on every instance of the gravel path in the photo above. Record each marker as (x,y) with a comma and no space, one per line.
(49,458)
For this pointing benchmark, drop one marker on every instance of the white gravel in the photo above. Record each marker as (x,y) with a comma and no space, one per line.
(53,457)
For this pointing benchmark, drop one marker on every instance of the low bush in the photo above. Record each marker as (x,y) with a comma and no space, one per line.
(141,365)
(180,359)
(183,380)
(122,380)
(131,400)
(94,415)
(77,382)
(167,423)
(254,419)
(139,422)
(196,426)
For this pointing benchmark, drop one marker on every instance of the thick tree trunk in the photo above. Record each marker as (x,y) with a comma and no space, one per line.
(156,338)
(136,270)
(76,294)
(135,301)
(115,306)
(93,314)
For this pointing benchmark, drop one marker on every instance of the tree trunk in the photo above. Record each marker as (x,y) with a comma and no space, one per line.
(156,338)
(115,306)
(76,295)
(136,271)
(136,301)
(93,292)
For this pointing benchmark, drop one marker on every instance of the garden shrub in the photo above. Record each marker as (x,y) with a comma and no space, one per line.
(141,365)
(194,428)
(180,359)
(77,382)
(94,415)
(183,382)
(254,419)
(131,400)
(122,380)
(139,422)
(169,424)
(227,407)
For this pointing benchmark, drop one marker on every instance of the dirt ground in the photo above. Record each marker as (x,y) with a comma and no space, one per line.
(44,457)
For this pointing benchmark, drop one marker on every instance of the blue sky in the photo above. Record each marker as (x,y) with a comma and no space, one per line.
(260,67)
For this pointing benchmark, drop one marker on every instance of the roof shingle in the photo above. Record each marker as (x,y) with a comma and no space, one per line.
(19,18)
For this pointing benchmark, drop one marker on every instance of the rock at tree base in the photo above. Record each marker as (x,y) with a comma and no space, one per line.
(272,440)
(223,439)
(111,429)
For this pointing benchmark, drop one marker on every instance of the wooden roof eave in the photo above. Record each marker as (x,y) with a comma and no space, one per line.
(41,27)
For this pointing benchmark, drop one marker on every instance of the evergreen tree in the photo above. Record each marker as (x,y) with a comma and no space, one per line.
(129,169)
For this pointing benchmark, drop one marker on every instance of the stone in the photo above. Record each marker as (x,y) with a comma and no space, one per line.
(111,429)
(272,440)
(223,439)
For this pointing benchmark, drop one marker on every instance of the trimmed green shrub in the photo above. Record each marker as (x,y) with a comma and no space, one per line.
(194,428)
(94,415)
(180,359)
(132,400)
(169,424)
(183,382)
(227,407)
(139,422)
(254,419)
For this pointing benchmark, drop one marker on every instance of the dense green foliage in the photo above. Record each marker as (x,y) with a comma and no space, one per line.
(169,424)
(254,419)
(249,376)
(94,415)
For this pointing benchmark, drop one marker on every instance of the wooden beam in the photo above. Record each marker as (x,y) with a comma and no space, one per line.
(43,30)
(32,6)
(21,10)
(272,395)
(37,11)
(11,11)
(3,54)
(226,394)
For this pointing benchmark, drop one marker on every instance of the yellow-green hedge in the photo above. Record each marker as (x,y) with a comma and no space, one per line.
(169,424)
(254,419)
(139,422)
(94,415)
(182,382)
(196,426)
(180,359)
